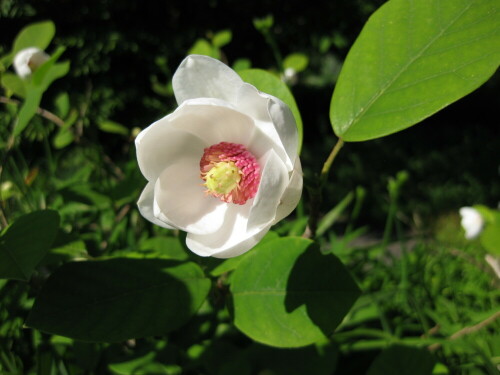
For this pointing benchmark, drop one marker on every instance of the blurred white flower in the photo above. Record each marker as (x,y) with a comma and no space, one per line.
(290,76)
(28,60)
(472,222)
(222,167)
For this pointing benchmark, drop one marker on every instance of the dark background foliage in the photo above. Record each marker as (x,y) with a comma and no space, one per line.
(117,48)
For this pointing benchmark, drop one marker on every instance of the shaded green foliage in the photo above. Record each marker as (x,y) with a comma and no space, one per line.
(129,298)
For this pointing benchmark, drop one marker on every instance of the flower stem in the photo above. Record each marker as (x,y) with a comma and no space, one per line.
(316,192)
(328,163)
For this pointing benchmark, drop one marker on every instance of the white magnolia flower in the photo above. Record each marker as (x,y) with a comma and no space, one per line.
(222,167)
(28,60)
(472,222)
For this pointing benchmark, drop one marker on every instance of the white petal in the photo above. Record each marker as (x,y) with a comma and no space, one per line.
(217,121)
(145,205)
(231,240)
(27,57)
(179,198)
(161,144)
(204,77)
(274,180)
(292,194)
(472,222)
(273,117)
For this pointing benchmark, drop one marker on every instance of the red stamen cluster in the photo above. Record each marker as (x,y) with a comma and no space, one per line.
(246,163)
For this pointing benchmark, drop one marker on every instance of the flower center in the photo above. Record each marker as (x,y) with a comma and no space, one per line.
(230,172)
(223,178)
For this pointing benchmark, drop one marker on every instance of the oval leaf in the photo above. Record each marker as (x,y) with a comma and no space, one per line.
(38,34)
(296,61)
(287,294)
(270,84)
(14,83)
(26,242)
(222,38)
(411,59)
(109,126)
(119,299)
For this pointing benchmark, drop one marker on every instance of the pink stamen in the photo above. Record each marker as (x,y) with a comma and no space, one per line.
(247,164)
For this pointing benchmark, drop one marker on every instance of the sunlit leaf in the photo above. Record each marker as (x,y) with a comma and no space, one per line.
(490,238)
(119,299)
(26,242)
(222,38)
(411,59)
(28,110)
(38,34)
(166,247)
(270,84)
(14,83)
(203,47)
(296,61)
(287,294)
(109,126)
(62,104)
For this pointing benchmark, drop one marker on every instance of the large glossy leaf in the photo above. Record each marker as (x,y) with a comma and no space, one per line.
(411,59)
(26,242)
(119,299)
(270,84)
(402,360)
(287,294)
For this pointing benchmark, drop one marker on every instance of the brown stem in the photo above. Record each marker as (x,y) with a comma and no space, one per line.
(468,330)
(40,111)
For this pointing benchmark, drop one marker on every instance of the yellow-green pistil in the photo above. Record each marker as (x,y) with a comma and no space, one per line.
(223,178)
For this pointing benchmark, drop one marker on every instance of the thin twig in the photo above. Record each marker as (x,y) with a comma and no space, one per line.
(316,192)
(40,111)
(468,330)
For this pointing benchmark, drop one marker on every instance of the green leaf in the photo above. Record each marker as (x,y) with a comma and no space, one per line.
(113,127)
(222,38)
(331,217)
(230,264)
(270,84)
(41,80)
(203,47)
(296,61)
(64,135)
(165,247)
(242,64)
(38,34)
(49,71)
(28,110)
(145,364)
(62,104)
(264,24)
(411,59)
(14,83)
(25,243)
(287,294)
(402,360)
(490,238)
(118,299)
